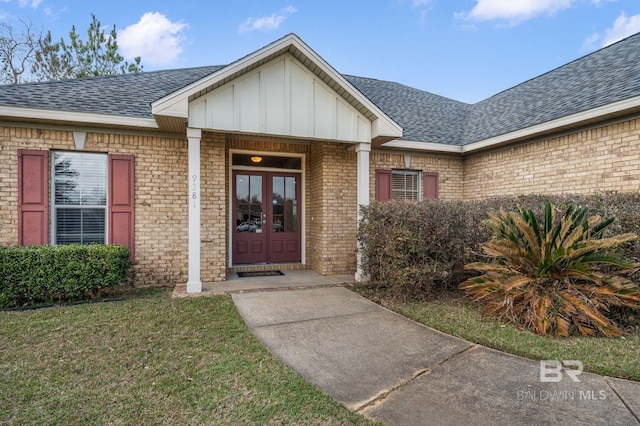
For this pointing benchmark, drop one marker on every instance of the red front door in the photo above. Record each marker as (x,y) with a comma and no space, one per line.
(266,209)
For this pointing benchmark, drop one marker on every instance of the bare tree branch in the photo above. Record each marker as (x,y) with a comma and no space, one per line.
(17,52)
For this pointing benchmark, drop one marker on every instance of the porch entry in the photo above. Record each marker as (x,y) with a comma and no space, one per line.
(267,215)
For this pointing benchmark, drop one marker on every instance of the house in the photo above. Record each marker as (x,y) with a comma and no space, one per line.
(210,170)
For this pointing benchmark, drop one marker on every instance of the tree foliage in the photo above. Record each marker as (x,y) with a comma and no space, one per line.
(97,55)
(28,55)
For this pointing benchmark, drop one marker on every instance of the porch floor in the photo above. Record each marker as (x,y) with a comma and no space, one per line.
(294,279)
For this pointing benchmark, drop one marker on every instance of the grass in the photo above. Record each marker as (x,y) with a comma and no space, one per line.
(455,315)
(149,360)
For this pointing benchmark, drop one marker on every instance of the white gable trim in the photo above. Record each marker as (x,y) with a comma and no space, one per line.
(177,103)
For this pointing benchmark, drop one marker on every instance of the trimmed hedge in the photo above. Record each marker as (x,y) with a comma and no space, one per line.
(46,274)
(416,247)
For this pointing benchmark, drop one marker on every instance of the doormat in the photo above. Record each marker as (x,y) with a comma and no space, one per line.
(259,274)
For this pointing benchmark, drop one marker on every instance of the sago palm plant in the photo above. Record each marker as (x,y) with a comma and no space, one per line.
(553,276)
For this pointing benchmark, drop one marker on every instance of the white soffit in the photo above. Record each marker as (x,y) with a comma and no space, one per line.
(177,103)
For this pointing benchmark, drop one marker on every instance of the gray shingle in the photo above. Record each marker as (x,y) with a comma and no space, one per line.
(126,95)
(423,116)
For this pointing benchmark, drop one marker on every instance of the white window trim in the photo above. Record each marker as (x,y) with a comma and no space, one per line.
(52,197)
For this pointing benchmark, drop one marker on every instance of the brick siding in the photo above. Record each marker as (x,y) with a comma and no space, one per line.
(600,159)
(161,216)
(597,159)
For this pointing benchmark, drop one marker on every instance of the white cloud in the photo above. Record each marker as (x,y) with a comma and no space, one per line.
(154,37)
(267,23)
(623,27)
(513,11)
(32,3)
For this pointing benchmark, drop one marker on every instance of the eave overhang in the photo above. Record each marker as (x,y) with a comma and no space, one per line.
(610,112)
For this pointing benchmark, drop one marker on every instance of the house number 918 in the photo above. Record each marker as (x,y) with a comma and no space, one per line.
(194,192)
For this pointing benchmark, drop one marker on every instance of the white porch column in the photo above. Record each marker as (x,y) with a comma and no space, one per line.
(194,284)
(362,153)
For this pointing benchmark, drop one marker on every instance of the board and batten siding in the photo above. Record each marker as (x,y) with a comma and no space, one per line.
(284,98)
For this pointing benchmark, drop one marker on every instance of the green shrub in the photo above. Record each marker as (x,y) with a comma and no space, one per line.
(411,247)
(415,247)
(45,274)
(553,276)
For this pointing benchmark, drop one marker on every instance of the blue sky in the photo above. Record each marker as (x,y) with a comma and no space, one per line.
(467,50)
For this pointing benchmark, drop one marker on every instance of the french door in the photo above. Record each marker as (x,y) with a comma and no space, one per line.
(266,209)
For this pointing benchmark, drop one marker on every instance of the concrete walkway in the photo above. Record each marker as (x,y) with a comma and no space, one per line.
(392,369)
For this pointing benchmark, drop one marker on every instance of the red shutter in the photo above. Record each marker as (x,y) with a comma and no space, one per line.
(383,185)
(121,201)
(430,185)
(33,198)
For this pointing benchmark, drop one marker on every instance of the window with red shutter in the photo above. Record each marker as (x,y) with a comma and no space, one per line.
(79,198)
(413,185)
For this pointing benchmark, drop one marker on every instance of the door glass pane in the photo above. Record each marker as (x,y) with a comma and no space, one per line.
(290,189)
(290,205)
(242,188)
(255,188)
(248,203)
(277,201)
(284,208)
(278,189)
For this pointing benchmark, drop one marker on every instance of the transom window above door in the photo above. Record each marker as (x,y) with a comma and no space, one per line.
(268,161)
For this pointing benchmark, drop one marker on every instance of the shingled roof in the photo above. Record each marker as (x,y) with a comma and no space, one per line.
(423,116)
(603,77)
(127,95)
(608,75)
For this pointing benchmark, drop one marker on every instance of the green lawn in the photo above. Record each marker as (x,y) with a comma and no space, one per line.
(452,314)
(149,360)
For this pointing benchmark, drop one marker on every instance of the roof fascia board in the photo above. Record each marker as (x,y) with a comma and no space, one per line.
(423,146)
(180,98)
(77,117)
(568,120)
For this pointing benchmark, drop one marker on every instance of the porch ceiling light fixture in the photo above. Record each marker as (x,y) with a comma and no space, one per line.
(256,159)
